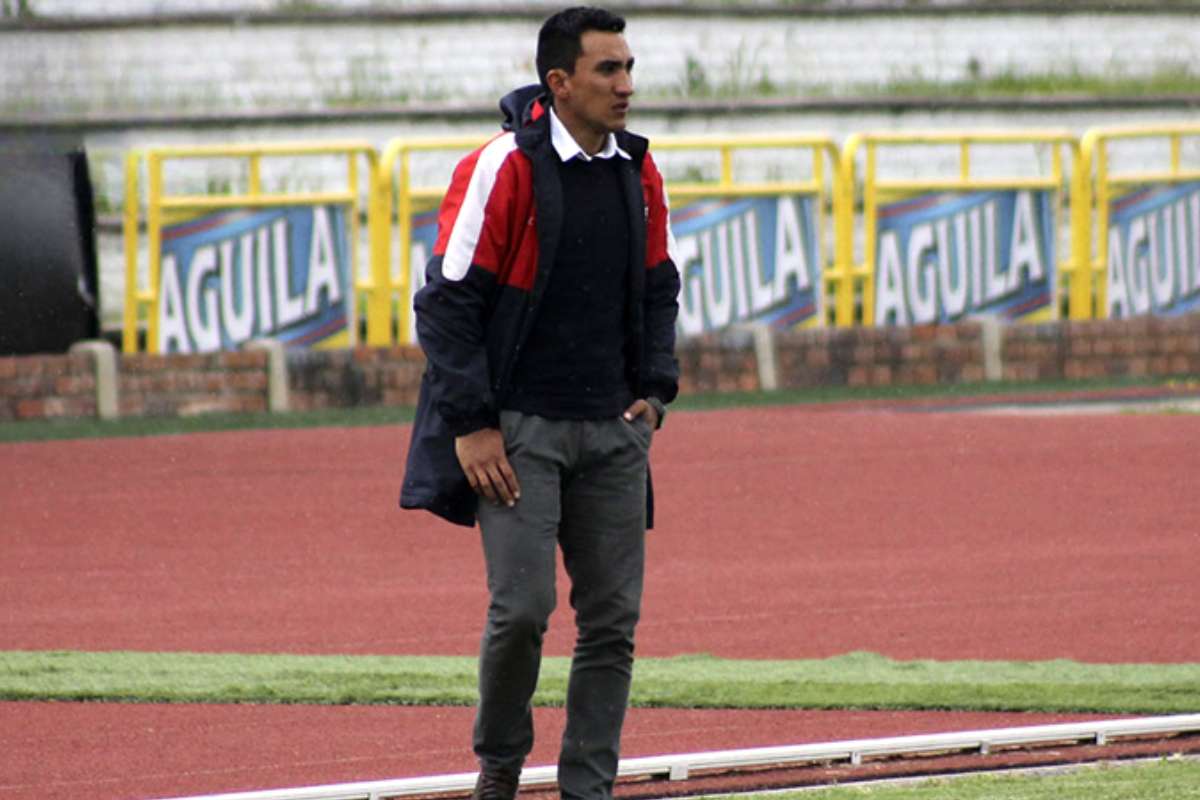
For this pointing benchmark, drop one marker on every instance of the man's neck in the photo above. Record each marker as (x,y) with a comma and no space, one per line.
(589,140)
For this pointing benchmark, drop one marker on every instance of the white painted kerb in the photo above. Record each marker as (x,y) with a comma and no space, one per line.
(680,767)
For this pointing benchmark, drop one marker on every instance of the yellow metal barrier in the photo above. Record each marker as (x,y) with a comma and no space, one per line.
(1106,184)
(141,301)
(390,291)
(850,276)
(388,308)
(1082,170)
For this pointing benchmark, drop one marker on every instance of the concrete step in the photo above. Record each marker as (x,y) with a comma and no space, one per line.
(355,56)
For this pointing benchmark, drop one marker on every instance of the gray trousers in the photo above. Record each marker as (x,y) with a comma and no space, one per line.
(583,488)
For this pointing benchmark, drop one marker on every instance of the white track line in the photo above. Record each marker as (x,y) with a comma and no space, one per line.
(681,766)
(910,780)
(1177,405)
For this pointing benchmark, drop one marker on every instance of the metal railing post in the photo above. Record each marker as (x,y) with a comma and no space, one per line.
(129,330)
(1081,301)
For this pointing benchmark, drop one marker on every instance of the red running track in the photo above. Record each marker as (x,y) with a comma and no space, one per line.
(784,533)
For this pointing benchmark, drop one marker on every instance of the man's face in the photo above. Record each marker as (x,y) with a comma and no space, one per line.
(597,93)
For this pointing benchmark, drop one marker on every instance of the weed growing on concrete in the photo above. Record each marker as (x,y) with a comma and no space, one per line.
(17,8)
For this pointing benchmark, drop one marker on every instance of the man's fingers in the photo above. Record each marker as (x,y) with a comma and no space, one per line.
(637,409)
(499,485)
(481,455)
(510,479)
(641,408)
(490,481)
(483,483)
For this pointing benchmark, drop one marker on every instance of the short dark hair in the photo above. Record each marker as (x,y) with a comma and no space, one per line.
(559,40)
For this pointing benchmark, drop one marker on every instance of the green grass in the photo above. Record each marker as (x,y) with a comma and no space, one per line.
(741,77)
(1158,780)
(853,681)
(41,430)
(905,393)
(1179,79)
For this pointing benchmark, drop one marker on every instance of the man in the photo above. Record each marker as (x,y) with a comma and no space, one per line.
(548,320)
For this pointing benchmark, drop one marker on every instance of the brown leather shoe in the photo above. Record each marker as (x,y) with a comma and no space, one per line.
(496,784)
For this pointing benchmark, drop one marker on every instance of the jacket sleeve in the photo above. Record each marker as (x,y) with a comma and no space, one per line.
(452,308)
(661,369)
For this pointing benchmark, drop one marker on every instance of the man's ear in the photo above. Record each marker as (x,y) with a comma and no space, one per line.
(556,79)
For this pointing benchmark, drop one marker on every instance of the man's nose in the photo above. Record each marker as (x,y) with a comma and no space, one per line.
(624,85)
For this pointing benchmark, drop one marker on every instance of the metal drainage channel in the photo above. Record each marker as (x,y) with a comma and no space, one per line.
(680,767)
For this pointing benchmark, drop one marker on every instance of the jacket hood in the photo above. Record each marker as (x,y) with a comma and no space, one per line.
(522,106)
(527,105)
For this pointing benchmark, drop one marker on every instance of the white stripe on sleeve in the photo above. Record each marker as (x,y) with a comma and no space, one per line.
(464,236)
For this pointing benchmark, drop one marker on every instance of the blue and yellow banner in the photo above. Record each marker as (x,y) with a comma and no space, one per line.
(747,259)
(739,260)
(947,256)
(1154,252)
(424,237)
(236,275)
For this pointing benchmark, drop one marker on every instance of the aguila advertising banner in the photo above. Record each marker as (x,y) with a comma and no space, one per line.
(748,260)
(740,260)
(1154,252)
(946,256)
(232,276)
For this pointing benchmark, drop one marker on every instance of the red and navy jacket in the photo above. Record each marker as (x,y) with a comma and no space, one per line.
(497,237)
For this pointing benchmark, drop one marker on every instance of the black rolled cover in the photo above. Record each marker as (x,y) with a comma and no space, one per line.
(48,281)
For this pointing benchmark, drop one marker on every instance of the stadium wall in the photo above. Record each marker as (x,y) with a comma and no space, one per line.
(68,386)
(330,58)
(128,74)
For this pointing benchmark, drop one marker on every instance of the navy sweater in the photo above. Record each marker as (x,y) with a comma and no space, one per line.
(573,365)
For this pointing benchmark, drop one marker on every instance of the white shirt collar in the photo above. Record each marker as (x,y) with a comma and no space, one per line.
(568,148)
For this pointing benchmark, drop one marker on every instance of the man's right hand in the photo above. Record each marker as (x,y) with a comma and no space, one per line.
(482,457)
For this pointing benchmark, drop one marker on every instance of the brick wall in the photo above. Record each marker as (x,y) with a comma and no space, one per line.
(41,387)
(718,363)
(947,354)
(921,355)
(1134,348)
(63,386)
(186,385)
(359,377)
